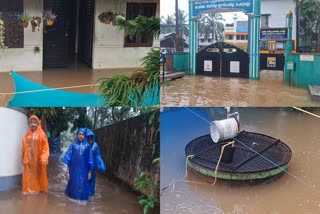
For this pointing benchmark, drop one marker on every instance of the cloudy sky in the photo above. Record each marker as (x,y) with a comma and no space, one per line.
(167,7)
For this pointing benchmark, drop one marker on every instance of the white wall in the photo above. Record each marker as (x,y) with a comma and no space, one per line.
(109,50)
(278,10)
(23,59)
(14,126)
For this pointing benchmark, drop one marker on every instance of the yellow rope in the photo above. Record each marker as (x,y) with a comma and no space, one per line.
(187,159)
(217,166)
(173,183)
(307,112)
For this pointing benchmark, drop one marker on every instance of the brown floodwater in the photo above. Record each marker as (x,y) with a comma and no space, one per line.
(74,75)
(285,194)
(216,91)
(110,197)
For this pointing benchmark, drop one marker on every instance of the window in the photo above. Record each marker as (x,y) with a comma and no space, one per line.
(264,22)
(263,45)
(139,9)
(9,13)
(242,37)
(230,37)
(209,40)
(280,45)
(201,40)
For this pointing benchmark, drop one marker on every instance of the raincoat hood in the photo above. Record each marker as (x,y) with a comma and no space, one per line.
(39,127)
(83,130)
(90,133)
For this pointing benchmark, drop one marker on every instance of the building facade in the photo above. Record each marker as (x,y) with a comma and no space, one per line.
(77,36)
(237,34)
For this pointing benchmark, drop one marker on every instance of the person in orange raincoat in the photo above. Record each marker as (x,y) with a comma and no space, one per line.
(35,154)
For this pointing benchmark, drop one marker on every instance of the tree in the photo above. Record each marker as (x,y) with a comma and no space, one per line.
(130,89)
(181,19)
(80,118)
(183,23)
(212,22)
(167,24)
(309,18)
(44,114)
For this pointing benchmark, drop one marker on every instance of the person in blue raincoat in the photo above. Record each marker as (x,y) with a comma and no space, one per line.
(80,164)
(97,160)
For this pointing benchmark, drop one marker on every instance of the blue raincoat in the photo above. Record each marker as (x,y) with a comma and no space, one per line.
(97,160)
(79,159)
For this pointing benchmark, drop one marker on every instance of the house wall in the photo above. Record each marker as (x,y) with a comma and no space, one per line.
(23,59)
(108,44)
(278,10)
(109,50)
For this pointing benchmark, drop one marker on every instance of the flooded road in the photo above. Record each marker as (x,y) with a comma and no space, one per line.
(216,91)
(57,78)
(286,194)
(109,197)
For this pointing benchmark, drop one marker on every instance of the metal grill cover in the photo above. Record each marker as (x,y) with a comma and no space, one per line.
(206,153)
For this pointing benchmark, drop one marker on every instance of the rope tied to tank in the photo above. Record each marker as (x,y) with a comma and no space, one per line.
(217,166)
(286,171)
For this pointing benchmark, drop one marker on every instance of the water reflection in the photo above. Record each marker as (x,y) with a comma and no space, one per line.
(215,91)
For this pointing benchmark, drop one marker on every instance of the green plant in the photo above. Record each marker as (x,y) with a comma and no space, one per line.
(143,181)
(148,202)
(129,89)
(25,17)
(49,15)
(106,15)
(36,49)
(1,34)
(146,27)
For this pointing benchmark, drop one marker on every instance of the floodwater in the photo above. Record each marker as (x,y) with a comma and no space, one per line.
(216,91)
(75,75)
(110,197)
(286,194)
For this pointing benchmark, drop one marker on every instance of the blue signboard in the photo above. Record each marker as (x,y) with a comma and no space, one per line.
(274,34)
(206,6)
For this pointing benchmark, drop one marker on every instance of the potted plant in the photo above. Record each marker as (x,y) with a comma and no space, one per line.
(49,17)
(106,17)
(117,15)
(25,18)
(1,34)
(35,22)
(36,49)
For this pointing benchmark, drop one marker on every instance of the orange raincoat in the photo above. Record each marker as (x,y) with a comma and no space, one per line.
(34,149)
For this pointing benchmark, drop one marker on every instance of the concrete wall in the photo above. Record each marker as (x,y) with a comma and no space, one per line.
(23,59)
(278,10)
(109,51)
(128,147)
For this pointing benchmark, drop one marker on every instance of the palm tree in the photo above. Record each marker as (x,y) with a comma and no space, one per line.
(183,23)
(181,19)
(167,24)
(309,19)
(213,22)
(129,89)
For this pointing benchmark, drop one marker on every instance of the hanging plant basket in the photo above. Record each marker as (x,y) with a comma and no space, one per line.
(25,19)
(106,21)
(106,17)
(49,17)
(24,24)
(50,22)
